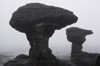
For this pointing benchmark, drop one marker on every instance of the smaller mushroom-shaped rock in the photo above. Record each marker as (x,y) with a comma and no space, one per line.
(77,37)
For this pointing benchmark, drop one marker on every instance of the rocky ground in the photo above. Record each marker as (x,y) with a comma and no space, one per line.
(5,57)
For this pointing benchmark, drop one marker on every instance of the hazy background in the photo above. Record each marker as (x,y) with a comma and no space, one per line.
(88,12)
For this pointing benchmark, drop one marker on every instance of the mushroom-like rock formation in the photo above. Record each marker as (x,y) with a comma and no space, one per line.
(77,37)
(38,22)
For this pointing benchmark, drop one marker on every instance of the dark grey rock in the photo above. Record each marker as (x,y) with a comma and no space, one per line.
(39,22)
(33,15)
(97,63)
(77,37)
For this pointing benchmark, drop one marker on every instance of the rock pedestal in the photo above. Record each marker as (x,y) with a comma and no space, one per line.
(77,37)
(39,44)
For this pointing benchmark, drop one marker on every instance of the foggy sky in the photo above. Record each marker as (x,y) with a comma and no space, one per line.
(88,12)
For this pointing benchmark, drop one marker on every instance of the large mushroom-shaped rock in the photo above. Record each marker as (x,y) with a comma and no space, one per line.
(38,22)
(77,37)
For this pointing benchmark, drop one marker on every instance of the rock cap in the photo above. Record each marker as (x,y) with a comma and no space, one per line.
(37,14)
